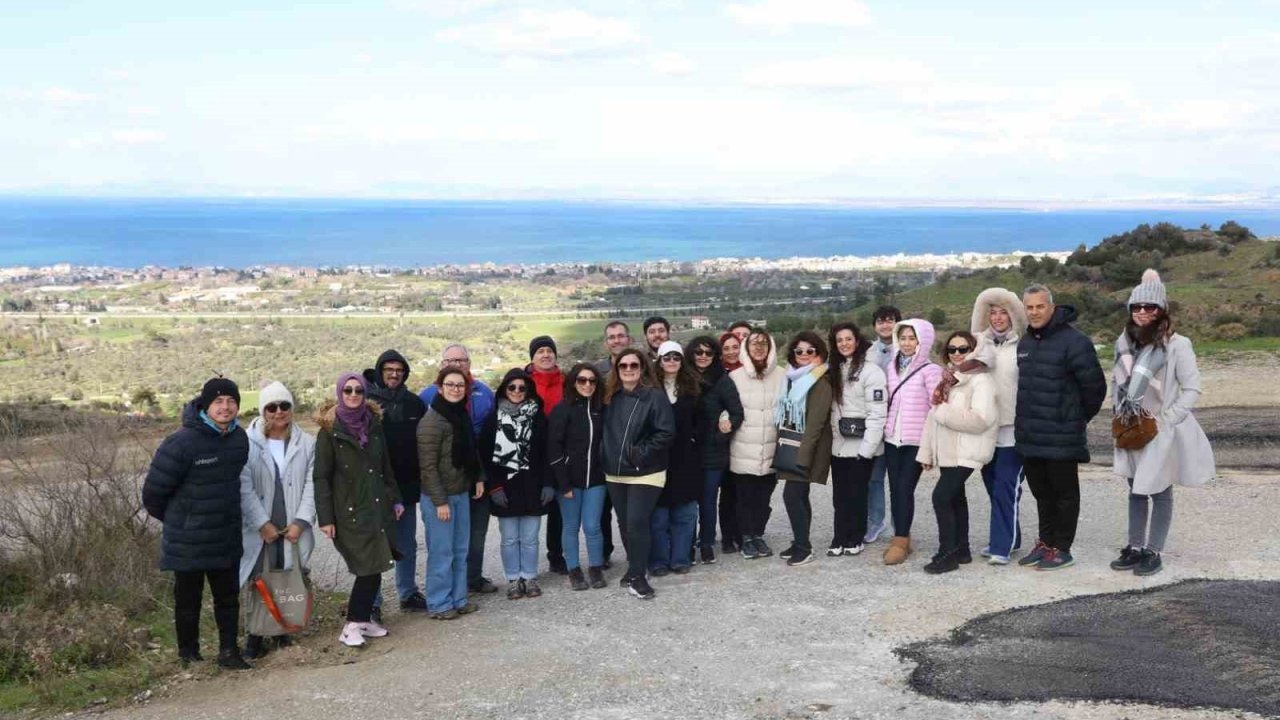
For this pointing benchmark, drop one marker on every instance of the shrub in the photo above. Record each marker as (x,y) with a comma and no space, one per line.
(1230,331)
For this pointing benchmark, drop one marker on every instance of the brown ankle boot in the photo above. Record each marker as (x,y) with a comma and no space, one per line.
(898,550)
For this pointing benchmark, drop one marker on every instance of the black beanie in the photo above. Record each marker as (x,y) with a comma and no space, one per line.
(217,387)
(540,342)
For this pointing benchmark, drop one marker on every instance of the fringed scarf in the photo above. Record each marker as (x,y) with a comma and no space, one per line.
(1133,376)
(796,384)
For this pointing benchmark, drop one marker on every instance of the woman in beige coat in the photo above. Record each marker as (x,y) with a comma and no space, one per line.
(959,437)
(1156,373)
(759,382)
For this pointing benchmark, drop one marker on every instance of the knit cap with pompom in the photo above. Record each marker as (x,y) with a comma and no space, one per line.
(1149,291)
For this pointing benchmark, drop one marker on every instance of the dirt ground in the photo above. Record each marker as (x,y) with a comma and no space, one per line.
(741,639)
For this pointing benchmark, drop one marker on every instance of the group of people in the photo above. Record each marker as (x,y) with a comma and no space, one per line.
(676,441)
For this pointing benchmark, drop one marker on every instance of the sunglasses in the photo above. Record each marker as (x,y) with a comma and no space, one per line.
(517,388)
(672,357)
(353,390)
(584,380)
(952,349)
(805,351)
(1144,308)
(703,352)
(277,406)
(629,366)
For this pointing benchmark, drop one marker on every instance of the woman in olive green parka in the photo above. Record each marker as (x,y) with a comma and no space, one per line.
(357,499)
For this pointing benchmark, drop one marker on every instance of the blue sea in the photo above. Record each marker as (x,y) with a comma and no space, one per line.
(404,233)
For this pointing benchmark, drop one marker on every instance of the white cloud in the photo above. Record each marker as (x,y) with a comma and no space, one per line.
(671,63)
(840,72)
(66,97)
(782,15)
(548,34)
(125,137)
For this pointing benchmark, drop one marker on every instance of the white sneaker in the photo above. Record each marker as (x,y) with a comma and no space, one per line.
(855,550)
(997,560)
(835,552)
(351,635)
(986,552)
(372,629)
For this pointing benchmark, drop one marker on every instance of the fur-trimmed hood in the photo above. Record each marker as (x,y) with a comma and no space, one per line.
(749,367)
(328,413)
(999,297)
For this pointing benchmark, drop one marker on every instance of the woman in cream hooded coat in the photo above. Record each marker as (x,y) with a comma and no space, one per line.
(1180,452)
(999,321)
(760,384)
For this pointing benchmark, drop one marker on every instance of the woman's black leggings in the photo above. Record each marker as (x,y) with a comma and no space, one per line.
(634,506)
(360,602)
(754,494)
(850,479)
(952,508)
(904,475)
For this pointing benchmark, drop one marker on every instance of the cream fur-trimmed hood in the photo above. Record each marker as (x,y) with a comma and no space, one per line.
(998,297)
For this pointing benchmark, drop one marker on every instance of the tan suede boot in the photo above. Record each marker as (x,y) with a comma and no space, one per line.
(898,550)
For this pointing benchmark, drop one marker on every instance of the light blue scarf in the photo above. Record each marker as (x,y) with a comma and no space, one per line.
(790,411)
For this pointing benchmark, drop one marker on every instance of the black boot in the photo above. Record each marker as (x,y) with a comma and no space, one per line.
(943,562)
(230,659)
(254,647)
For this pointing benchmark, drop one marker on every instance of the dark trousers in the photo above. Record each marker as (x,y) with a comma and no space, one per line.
(360,602)
(850,481)
(475,544)
(555,535)
(795,496)
(606,526)
(635,504)
(188,592)
(904,475)
(729,528)
(952,509)
(754,493)
(1056,487)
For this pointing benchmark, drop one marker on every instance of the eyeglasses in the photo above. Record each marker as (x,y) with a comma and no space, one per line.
(455,361)
(759,343)
(517,388)
(353,390)
(703,352)
(277,406)
(1144,308)
(629,366)
(454,385)
(805,351)
(585,380)
(953,350)
(392,371)
(672,357)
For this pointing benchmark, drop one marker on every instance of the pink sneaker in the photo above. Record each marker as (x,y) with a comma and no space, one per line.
(351,635)
(372,629)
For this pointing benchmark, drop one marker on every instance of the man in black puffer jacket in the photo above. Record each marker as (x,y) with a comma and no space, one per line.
(401,411)
(193,487)
(1060,388)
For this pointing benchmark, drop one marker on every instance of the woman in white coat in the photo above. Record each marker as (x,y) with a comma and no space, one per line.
(1156,373)
(959,437)
(277,498)
(759,382)
(858,394)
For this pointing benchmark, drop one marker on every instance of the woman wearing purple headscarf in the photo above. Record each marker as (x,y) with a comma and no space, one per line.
(357,500)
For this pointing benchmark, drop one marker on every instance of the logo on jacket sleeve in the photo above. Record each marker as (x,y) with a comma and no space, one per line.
(877,396)
(206,461)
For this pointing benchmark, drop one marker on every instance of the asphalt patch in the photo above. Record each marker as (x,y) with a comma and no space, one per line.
(1197,643)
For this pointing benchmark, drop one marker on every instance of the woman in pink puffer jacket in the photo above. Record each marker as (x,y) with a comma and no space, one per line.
(912,379)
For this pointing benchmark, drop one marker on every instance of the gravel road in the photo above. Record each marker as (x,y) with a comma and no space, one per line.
(739,639)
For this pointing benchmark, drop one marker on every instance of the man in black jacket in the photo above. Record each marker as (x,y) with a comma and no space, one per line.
(401,411)
(193,488)
(1060,388)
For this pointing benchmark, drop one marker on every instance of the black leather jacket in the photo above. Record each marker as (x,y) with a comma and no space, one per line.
(638,429)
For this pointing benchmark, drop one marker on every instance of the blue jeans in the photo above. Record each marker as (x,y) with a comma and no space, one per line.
(672,530)
(583,511)
(407,544)
(520,546)
(707,507)
(447,543)
(875,495)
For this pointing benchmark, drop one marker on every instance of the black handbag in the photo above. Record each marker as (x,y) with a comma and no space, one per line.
(852,427)
(786,457)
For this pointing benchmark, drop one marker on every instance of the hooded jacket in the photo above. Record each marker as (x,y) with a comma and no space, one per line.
(355,491)
(638,430)
(524,488)
(193,488)
(1002,357)
(575,432)
(961,432)
(401,411)
(1060,388)
(753,445)
(719,395)
(909,394)
(258,488)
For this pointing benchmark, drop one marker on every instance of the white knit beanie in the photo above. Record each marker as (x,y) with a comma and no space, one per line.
(1150,290)
(274,392)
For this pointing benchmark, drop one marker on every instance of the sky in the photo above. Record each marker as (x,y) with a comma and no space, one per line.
(736,100)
